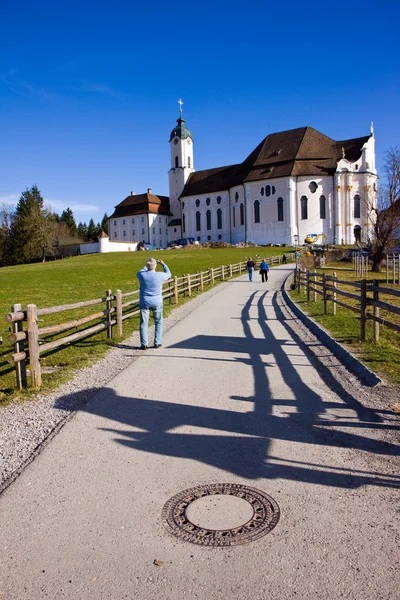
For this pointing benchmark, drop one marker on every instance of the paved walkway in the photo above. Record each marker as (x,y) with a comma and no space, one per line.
(230,397)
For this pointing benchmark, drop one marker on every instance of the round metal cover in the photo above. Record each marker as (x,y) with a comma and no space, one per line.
(265,515)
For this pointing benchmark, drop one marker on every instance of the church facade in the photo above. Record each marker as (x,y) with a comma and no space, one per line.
(295,184)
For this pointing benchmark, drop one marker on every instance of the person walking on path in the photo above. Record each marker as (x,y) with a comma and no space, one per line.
(264,268)
(284,259)
(151,299)
(250,268)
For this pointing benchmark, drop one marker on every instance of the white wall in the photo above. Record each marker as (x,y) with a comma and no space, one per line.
(138,228)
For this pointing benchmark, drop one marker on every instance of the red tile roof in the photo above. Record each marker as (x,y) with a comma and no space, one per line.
(139,204)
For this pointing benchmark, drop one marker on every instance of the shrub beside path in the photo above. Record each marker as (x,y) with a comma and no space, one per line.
(240,392)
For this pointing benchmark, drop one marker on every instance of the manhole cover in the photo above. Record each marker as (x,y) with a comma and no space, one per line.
(221,514)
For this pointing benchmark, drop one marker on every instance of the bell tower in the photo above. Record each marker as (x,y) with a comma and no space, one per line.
(181,150)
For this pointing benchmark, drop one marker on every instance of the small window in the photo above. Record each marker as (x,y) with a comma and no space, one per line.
(124,233)
(133,219)
(313,187)
(219,199)
(189,162)
(198,221)
(154,242)
(174,229)
(357,206)
(262,191)
(273,190)
(133,232)
(280,208)
(166,232)
(356,167)
(268,190)
(304,207)
(209,237)
(219,219)
(166,218)
(115,234)
(160,231)
(183,223)
(208,220)
(115,222)
(236,196)
(256,211)
(176,162)
(220,237)
(142,231)
(241,214)
(198,238)
(208,201)
(322,207)
(197,202)
(234,216)
(154,229)
(142,219)
(123,221)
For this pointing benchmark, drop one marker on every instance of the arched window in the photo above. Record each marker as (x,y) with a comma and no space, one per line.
(220,237)
(262,191)
(219,219)
(189,162)
(267,190)
(219,199)
(208,201)
(198,238)
(256,211)
(280,208)
(273,190)
(304,207)
(209,237)
(313,186)
(236,196)
(176,162)
(208,219)
(183,223)
(357,206)
(322,207)
(242,214)
(234,216)
(197,202)
(198,221)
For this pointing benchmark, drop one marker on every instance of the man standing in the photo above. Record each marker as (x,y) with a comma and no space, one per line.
(151,299)
(264,268)
(250,268)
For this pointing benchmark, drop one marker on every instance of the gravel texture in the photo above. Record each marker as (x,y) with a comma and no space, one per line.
(25,428)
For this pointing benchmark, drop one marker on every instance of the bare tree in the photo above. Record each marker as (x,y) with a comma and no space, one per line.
(385,216)
(7,213)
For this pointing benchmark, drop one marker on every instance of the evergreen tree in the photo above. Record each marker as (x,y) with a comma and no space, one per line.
(67,217)
(104,223)
(30,201)
(91,231)
(82,231)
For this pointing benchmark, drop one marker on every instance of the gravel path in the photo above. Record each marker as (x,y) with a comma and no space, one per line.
(26,428)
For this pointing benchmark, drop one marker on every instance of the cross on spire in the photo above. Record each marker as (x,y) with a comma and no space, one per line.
(180,105)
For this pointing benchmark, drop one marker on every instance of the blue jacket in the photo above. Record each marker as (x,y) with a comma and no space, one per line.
(264,266)
(151,283)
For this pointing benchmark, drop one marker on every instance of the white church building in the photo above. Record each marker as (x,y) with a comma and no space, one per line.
(296,183)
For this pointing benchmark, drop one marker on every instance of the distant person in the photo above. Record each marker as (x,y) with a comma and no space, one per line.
(250,268)
(284,259)
(151,299)
(264,268)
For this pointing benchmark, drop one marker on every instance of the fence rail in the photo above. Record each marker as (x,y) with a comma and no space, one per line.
(31,343)
(367,297)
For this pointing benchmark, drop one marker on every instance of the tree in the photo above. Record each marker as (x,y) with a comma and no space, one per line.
(104,223)
(386,215)
(92,232)
(43,230)
(30,201)
(67,217)
(7,215)
(82,231)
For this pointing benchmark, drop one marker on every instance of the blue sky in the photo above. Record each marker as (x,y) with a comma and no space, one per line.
(89,90)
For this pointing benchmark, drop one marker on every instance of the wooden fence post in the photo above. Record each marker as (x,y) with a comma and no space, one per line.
(375,296)
(298,279)
(394,268)
(222,272)
(109,313)
(170,291)
(119,313)
(324,294)
(315,285)
(189,285)
(201,281)
(387,269)
(334,295)
(33,342)
(363,309)
(212,276)
(20,366)
(308,285)
(240,268)
(230,270)
(176,289)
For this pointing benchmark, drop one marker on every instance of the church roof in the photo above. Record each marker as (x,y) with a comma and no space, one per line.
(139,204)
(302,151)
(180,131)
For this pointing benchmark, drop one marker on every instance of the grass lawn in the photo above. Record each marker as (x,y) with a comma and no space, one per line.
(382,357)
(87,277)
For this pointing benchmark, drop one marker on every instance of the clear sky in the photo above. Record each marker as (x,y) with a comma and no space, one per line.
(89,90)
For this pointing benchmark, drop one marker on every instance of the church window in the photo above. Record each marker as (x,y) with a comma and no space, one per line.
(154,242)
(160,231)
(242,214)
(197,202)
(133,232)
(124,233)
(257,211)
(236,196)
(356,167)
(198,221)
(209,237)
(220,237)
(123,221)
(357,206)
(198,238)
(166,218)
(280,208)
(313,187)
(142,219)
(219,219)
(174,229)
(176,162)
(189,162)
(273,190)
(267,190)
(133,219)
(115,234)
(218,199)
(262,191)
(304,207)
(234,216)
(115,222)
(184,223)
(208,201)
(208,219)
(322,207)
(142,231)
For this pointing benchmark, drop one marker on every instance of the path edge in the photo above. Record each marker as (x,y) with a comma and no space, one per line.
(357,368)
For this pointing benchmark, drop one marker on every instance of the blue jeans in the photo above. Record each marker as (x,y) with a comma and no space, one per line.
(158,325)
(251,271)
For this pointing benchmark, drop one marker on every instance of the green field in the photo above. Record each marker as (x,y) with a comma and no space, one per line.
(87,277)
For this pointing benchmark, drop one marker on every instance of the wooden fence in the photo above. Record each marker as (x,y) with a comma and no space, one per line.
(367,294)
(32,342)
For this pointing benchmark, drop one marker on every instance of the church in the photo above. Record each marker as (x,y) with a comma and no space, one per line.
(295,184)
